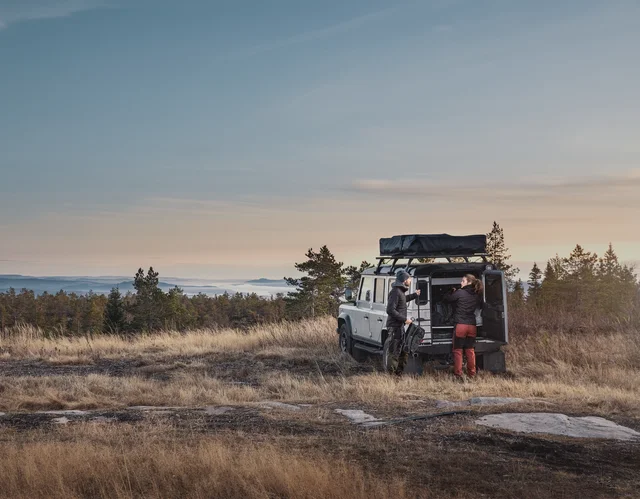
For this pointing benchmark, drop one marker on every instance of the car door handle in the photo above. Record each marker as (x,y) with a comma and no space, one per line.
(379,320)
(366,317)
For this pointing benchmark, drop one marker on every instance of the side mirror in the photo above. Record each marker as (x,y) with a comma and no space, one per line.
(348,294)
(367,297)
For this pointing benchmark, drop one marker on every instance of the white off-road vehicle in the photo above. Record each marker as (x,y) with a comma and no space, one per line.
(436,263)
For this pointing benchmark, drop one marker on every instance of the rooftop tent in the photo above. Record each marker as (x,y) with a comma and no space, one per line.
(433,245)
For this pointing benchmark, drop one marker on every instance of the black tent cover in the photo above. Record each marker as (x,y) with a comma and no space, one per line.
(433,245)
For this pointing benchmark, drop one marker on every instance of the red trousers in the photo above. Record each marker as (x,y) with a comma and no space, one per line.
(464,338)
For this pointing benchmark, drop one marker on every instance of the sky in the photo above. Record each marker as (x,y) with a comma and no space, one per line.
(222,139)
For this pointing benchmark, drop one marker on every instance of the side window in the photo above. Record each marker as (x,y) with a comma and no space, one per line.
(378,295)
(366,289)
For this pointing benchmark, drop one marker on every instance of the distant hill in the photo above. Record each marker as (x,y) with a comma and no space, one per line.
(268,282)
(103,285)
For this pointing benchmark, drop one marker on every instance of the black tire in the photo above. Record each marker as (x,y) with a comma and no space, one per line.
(345,343)
(344,339)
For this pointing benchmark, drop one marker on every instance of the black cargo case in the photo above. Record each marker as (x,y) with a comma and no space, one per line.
(433,245)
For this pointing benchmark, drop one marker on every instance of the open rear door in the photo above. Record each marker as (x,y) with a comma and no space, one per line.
(494,313)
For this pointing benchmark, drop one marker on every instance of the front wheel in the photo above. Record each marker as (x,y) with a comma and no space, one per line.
(345,343)
(344,340)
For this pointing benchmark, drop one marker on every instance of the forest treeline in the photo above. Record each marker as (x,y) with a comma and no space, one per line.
(572,292)
(147,309)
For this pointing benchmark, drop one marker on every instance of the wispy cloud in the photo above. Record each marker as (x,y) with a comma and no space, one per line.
(15,11)
(311,35)
(586,188)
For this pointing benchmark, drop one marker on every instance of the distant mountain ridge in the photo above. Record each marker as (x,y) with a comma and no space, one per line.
(268,282)
(103,285)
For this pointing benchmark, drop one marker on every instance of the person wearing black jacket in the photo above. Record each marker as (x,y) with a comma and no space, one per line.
(465,302)
(397,318)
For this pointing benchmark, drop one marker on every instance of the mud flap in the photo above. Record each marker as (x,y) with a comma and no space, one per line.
(494,362)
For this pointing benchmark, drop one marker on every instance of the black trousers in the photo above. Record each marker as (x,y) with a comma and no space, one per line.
(397,357)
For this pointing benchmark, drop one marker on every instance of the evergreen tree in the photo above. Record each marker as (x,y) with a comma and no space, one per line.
(535,284)
(319,290)
(179,310)
(516,296)
(549,291)
(580,265)
(353,275)
(608,265)
(114,316)
(149,303)
(580,280)
(499,253)
(617,287)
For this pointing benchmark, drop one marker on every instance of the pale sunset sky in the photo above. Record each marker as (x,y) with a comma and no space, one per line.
(222,139)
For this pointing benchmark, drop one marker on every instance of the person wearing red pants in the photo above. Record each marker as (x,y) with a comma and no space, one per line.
(466,301)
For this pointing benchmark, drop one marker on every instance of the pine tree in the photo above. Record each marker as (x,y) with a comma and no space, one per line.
(549,289)
(617,287)
(319,290)
(114,316)
(353,274)
(608,265)
(580,265)
(516,296)
(149,303)
(180,313)
(535,284)
(580,279)
(499,253)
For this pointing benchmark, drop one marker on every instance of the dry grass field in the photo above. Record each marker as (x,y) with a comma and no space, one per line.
(298,363)
(314,453)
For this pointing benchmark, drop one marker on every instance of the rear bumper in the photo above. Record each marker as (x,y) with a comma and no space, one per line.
(446,348)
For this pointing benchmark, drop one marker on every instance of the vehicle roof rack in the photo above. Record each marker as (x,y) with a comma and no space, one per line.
(394,260)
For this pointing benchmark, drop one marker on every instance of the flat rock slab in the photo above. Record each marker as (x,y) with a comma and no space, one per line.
(154,408)
(67,413)
(559,424)
(103,419)
(357,416)
(2,414)
(441,404)
(281,405)
(63,420)
(217,411)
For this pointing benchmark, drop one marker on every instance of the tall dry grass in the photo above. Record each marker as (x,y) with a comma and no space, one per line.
(26,342)
(152,462)
(597,372)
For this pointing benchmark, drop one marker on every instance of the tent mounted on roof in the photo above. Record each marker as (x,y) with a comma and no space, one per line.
(433,245)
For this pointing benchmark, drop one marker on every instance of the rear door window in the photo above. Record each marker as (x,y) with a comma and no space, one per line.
(379,291)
